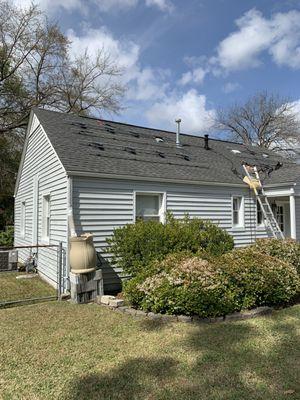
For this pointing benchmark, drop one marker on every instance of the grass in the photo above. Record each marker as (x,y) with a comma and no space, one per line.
(67,352)
(12,289)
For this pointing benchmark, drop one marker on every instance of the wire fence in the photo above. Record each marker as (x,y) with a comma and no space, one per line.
(31,273)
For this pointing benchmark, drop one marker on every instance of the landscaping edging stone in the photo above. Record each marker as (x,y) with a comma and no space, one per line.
(119,306)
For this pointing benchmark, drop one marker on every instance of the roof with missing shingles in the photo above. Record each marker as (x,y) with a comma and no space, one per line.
(89,145)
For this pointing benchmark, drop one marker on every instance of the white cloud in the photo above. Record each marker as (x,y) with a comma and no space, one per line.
(95,5)
(163,5)
(279,36)
(295,107)
(230,87)
(195,76)
(53,5)
(190,107)
(125,52)
(146,83)
(143,83)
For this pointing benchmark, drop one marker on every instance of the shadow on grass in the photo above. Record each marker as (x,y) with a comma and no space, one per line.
(127,382)
(258,359)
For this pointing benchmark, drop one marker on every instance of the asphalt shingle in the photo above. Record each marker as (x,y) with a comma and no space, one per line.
(90,145)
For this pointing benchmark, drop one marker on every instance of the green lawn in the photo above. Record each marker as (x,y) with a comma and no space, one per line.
(63,351)
(21,289)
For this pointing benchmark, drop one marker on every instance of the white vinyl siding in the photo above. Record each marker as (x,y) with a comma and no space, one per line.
(101,205)
(42,173)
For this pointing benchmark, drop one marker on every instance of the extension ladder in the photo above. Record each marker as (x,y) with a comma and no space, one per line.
(253,180)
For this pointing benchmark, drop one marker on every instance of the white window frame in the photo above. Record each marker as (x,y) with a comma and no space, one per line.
(46,219)
(241,212)
(262,224)
(23,219)
(162,203)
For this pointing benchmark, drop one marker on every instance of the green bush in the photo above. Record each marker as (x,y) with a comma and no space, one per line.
(7,237)
(181,284)
(134,246)
(287,250)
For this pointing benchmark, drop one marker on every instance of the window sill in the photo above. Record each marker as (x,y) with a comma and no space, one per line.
(237,228)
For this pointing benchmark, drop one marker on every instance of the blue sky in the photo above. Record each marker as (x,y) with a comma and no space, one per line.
(187,58)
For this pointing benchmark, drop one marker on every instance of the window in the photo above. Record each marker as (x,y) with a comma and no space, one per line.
(46,218)
(148,206)
(237,212)
(259,215)
(23,219)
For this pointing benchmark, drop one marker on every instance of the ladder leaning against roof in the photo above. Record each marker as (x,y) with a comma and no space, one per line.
(253,180)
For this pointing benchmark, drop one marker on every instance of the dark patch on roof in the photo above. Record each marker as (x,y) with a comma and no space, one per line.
(133,150)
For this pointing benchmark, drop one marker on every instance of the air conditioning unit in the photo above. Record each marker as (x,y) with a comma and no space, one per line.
(8,260)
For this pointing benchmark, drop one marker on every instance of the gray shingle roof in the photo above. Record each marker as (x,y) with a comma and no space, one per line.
(89,145)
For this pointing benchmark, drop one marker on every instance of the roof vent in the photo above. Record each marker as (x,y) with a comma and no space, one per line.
(184,157)
(178,121)
(206,146)
(235,151)
(130,150)
(96,145)
(160,154)
(159,139)
(265,155)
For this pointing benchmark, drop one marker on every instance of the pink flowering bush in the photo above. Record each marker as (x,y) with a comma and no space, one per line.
(190,285)
(180,284)
(287,250)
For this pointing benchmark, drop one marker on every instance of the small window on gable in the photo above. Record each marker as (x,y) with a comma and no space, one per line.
(148,206)
(23,219)
(46,218)
(237,212)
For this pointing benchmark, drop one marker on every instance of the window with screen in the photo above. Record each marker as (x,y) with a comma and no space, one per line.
(148,206)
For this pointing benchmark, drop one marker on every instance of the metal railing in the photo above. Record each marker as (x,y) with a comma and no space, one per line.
(59,278)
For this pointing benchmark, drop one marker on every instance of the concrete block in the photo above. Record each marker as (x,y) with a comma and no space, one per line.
(140,313)
(116,303)
(169,318)
(105,299)
(184,318)
(130,311)
(154,316)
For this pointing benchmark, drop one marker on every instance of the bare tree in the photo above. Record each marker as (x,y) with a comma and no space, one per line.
(36,69)
(265,120)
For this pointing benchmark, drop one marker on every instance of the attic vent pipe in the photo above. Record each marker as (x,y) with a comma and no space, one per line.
(178,120)
(206,146)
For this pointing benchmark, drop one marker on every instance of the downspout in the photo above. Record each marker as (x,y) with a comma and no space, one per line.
(71,225)
(71,232)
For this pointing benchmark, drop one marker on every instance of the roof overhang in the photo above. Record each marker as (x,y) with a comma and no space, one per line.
(169,180)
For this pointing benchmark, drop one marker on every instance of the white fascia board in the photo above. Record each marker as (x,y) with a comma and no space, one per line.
(33,124)
(150,179)
(166,180)
(28,132)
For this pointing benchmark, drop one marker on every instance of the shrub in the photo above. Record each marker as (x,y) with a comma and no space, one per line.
(134,246)
(244,278)
(180,285)
(258,279)
(287,250)
(7,237)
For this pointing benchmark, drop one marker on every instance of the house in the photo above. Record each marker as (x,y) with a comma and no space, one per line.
(103,174)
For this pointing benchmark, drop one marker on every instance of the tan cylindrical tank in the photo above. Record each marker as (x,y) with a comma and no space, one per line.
(82,254)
